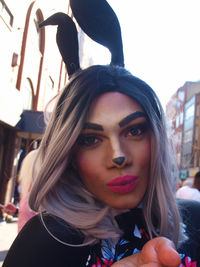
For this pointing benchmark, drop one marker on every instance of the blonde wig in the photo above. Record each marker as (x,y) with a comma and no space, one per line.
(58,189)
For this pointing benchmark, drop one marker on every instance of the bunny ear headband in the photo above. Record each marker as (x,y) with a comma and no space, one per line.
(98,20)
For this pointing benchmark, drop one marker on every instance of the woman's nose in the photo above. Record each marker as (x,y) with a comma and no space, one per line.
(119,161)
(118,156)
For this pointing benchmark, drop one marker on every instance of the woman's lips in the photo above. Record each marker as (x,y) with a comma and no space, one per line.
(123,184)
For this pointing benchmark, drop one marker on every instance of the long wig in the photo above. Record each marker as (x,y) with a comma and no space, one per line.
(58,189)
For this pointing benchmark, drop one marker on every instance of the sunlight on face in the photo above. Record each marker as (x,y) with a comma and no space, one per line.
(116,127)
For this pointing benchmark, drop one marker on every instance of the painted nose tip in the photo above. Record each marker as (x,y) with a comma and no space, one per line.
(119,161)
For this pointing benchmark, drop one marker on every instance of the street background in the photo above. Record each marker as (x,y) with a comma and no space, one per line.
(8,232)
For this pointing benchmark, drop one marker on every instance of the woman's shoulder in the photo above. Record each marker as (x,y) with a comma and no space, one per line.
(189,207)
(44,241)
(190,213)
(54,229)
(190,248)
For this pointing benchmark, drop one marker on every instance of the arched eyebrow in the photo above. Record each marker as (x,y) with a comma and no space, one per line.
(122,123)
(93,126)
(131,117)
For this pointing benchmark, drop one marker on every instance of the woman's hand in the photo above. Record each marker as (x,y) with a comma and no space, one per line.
(157,252)
(9,209)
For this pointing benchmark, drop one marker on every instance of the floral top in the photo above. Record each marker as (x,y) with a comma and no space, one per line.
(135,236)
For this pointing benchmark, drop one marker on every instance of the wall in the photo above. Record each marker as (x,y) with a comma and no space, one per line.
(11,95)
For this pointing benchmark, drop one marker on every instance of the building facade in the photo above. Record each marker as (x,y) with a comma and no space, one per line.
(32,72)
(183,122)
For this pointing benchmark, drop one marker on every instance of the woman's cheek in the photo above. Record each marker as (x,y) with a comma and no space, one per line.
(143,155)
(147,148)
(86,163)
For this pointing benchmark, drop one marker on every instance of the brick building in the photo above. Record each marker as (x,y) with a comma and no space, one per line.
(183,117)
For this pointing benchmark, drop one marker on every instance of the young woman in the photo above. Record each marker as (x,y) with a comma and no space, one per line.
(104,189)
(106,180)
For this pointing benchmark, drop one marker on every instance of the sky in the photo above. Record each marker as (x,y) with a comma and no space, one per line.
(161,41)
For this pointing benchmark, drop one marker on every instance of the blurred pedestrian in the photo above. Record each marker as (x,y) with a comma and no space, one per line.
(25,182)
(190,192)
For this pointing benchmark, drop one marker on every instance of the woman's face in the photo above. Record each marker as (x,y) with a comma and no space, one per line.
(112,153)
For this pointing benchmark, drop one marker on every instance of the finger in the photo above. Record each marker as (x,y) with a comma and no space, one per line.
(161,250)
(168,255)
(155,253)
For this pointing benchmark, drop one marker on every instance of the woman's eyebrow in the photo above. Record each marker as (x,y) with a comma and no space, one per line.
(93,126)
(131,117)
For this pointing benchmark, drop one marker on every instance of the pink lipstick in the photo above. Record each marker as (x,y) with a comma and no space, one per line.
(123,184)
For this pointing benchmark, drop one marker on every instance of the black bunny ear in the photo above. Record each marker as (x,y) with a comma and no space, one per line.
(97,19)
(67,40)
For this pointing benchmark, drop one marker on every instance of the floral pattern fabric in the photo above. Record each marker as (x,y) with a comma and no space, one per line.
(135,236)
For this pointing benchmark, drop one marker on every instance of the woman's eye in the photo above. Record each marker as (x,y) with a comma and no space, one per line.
(88,140)
(137,130)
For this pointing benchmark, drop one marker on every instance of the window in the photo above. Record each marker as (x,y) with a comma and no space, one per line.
(181,118)
(197,111)
(188,136)
(5,13)
(181,96)
(177,121)
(189,113)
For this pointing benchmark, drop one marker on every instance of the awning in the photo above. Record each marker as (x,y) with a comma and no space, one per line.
(31,124)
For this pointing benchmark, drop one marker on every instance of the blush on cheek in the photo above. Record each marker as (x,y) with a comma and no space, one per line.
(146,152)
(147,147)
(82,163)
(84,166)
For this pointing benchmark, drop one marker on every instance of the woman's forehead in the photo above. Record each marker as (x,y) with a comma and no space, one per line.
(112,106)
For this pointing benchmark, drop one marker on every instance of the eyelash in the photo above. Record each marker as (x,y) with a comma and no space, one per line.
(142,128)
(84,140)
(91,140)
